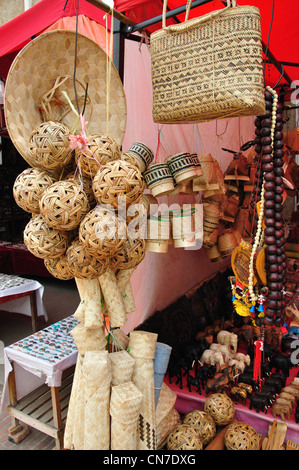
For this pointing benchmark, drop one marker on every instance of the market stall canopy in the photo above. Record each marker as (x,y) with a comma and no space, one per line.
(279,24)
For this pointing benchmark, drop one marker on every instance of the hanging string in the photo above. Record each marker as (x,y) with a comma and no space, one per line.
(109,54)
(268,38)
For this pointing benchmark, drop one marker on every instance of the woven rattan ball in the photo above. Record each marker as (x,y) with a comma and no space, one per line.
(241,436)
(85,183)
(118,179)
(131,254)
(81,264)
(49,146)
(59,268)
(29,187)
(204,422)
(44,241)
(221,408)
(102,232)
(63,205)
(184,437)
(99,150)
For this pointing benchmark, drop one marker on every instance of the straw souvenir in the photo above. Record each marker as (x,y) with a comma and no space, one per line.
(166,415)
(227,242)
(171,420)
(97,378)
(159,233)
(74,424)
(63,205)
(29,187)
(89,339)
(187,226)
(211,216)
(238,169)
(122,364)
(214,254)
(130,255)
(159,179)
(221,408)
(44,241)
(142,347)
(141,154)
(182,167)
(97,151)
(85,183)
(196,164)
(91,308)
(194,90)
(116,180)
(81,264)
(125,406)
(216,187)
(184,437)
(113,299)
(231,207)
(202,182)
(123,278)
(27,84)
(161,361)
(241,436)
(119,339)
(204,421)
(59,268)
(102,232)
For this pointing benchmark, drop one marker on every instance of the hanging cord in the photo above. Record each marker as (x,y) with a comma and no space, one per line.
(268,38)
(109,51)
(75,63)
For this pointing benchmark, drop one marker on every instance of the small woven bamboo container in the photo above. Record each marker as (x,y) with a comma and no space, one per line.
(227,242)
(113,299)
(202,182)
(59,268)
(74,421)
(166,415)
(159,179)
(125,406)
(182,167)
(142,347)
(187,227)
(89,339)
(97,378)
(29,187)
(98,151)
(221,408)
(122,367)
(211,217)
(123,278)
(141,154)
(91,309)
(81,264)
(214,254)
(49,146)
(63,205)
(231,207)
(204,422)
(159,233)
(171,420)
(241,436)
(120,339)
(44,241)
(196,164)
(117,180)
(184,437)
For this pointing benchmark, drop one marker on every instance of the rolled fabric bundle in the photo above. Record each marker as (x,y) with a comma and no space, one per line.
(142,347)
(91,308)
(113,299)
(122,366)
(74,403)
(96,370)
(161,361)
(89,339)
(124,285)
(125,406)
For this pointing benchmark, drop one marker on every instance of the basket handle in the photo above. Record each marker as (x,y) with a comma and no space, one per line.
(183,26)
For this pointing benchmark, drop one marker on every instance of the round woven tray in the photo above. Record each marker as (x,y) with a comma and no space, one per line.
(241,436)
(48,146)
(184,437)
(99,150)
(116,180)
(204,422)
(221,408)
(81,264)
(29,187)
(44,241)
(63,205)
(33,74)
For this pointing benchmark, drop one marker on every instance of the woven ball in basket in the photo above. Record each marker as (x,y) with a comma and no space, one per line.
(59,268)
(221,408)
(34,73)
(44,241)
(81,264)
(29,187)
(102,232)
(63,205)
(204,422)
(131,254)
(48,146)
(118,179)
(184,437)
(99,150)
(241,436)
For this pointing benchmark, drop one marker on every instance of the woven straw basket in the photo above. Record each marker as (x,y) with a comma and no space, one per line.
(208,67)
(34,73)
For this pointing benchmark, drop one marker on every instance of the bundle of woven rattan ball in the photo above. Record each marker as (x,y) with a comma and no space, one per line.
(29,187)
(82,265)
(97,151)
(184,437)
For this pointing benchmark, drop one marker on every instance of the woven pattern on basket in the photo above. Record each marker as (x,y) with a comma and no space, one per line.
(241,436)
(102,232)
(59,268)
(118,179)
(49,146)
(208,68)
(99,150)
(220,407)
(131,254)
(184,437)
(44,241)
(204,422)
(29,187)
(81,264)
(27,83)
(63,205)
(140,154)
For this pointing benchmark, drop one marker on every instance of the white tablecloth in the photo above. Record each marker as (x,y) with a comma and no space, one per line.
(10,284)
(40,358)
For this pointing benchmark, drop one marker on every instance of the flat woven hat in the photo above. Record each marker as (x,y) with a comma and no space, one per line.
(40,86)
